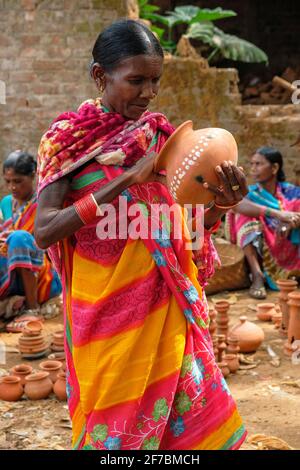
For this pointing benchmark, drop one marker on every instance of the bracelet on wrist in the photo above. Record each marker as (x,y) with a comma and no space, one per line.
(87,209)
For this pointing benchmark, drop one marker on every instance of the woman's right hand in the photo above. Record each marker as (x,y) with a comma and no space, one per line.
(290,218)
(143,171)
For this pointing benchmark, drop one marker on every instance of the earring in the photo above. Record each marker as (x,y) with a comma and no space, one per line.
(100,85)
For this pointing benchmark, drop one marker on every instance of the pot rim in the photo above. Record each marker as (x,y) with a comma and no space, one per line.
(10,379)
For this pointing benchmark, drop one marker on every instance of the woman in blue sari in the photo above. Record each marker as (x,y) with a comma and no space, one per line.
(27,278)
(266,223)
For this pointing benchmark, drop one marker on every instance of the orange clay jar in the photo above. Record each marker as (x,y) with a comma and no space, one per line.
(190,158)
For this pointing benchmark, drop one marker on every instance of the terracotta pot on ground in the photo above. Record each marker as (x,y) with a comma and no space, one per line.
(33,327)
(224,368)
(265,311)
(190,157)
(232,361)
(60,386)
(38,386)
(250,336)
(21,371)
(10,388)
(233,344)
(294,319)
(53,367)
(285,286)
(58,356)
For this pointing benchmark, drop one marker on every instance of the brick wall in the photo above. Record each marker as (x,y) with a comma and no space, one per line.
(45,49)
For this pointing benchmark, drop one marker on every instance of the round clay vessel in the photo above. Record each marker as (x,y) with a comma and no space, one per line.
(233,362)
(10,388)
(33,327)
(250,336)
(60,386)
(53,367)
(21,371)
(224,368)
(265,311)
(38,385)
(190,157)
(222,306)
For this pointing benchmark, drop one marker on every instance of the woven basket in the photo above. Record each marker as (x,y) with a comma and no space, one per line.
(232,274)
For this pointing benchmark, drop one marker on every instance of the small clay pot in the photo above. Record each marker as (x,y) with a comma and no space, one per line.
(265,311)
(60,386)
(276,319)
(53,367)
(233,345)
(233,362)
(250,336)
(10,388)
(58,356)
(222,306)
(33,327)
(21,371)
(294,321)
(222,347)
(38,385)
(224,368)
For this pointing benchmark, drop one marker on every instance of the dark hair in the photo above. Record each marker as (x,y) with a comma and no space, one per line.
(273,156)
(21,162)
(122,39)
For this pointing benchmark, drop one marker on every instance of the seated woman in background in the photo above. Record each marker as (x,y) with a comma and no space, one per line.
(266,223)
(25,269)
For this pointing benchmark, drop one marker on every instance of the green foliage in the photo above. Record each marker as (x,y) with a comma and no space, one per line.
(200,27)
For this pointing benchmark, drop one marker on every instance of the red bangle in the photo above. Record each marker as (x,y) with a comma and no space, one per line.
(226,207)
(87,209)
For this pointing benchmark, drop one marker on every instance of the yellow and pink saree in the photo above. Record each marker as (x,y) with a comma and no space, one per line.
(141,369)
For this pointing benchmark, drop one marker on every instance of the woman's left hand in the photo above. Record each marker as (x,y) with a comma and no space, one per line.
(233,186)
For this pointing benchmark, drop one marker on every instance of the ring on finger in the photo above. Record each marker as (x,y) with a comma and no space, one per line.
(235,187)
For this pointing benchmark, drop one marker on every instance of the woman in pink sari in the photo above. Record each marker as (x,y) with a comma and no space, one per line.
(266,224)
(140,367)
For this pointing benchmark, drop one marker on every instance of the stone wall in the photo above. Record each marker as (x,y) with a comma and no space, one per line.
(45,50)
(210,97)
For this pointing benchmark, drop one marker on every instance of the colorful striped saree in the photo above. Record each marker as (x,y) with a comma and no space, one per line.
(19,250)
(141,371)
(280,256)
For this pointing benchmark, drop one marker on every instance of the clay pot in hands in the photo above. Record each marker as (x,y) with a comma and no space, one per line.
(232,362)
(10,388)
(53,367)
(250,336)
(265,311)
(21,371)
(285,286)
(38,385)
(60,386)
(190,157)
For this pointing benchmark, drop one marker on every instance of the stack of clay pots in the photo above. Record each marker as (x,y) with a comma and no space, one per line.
(222,307)
(285,286)
(58,341)
(232,356)
(32,343)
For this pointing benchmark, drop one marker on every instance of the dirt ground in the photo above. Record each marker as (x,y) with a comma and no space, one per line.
(268,397)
